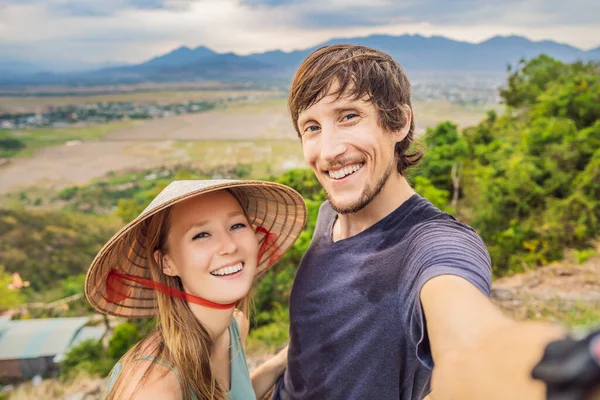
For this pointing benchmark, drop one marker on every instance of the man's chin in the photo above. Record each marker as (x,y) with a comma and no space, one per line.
(348,206)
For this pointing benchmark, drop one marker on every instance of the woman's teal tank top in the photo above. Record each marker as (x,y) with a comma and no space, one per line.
(241,386)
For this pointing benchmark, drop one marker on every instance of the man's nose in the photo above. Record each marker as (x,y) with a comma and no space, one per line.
(332,145)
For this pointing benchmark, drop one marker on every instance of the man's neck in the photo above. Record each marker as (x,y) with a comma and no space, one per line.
(395,192)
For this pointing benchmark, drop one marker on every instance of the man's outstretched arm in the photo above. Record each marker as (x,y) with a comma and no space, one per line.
(478,352)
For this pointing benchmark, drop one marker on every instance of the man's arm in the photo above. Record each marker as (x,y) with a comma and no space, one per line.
(478,352)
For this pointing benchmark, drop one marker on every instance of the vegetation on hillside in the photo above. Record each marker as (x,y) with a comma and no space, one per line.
(527,180)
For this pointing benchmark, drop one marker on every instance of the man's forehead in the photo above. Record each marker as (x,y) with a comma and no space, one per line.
(333,100)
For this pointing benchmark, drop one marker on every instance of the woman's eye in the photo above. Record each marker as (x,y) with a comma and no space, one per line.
(238,226)
(201,235)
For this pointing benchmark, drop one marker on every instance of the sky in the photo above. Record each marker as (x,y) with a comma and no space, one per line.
(132,31)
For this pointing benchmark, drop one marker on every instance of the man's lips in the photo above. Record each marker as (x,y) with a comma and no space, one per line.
(341,173)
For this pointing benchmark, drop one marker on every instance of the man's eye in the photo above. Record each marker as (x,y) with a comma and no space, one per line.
(201,235)
(238,226)
(349,116)
(312,128)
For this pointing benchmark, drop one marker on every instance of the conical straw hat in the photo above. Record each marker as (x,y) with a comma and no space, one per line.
(270,207)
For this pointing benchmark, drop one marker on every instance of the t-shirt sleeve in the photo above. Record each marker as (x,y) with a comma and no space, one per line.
(441,247)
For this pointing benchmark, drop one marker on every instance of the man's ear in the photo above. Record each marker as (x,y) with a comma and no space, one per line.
(164,261)
(402,132)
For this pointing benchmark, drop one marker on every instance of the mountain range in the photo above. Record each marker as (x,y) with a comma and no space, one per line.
(414,52)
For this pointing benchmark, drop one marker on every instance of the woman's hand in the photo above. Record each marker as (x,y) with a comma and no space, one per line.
(266,375)
(281,359)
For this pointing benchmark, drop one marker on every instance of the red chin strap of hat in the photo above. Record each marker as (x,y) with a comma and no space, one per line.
(117,291)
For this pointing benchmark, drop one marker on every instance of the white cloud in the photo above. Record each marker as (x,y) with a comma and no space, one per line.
(136,30)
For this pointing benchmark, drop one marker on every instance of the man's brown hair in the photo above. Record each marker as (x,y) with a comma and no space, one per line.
(360,72)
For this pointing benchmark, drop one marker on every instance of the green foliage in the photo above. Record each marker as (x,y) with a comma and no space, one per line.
(45,247)
(304,182)
(445,148)
(530,181)
(9,298)
(89,356)
(274,333)
(144,325)
(530,79)
(10,146)
(583,255)
(123,338)
(535,187)
(73,285)
(438,197)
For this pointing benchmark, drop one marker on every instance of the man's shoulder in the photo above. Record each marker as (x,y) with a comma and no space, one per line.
(442,232)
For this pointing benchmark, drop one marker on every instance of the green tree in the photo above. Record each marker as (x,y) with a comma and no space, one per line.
(532,172)
(446,151)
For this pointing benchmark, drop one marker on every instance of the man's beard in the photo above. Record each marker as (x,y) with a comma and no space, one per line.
(366,196)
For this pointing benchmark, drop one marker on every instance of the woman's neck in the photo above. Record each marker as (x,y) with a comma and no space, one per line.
(215,321)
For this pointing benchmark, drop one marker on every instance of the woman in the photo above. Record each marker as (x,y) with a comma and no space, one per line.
(190,259)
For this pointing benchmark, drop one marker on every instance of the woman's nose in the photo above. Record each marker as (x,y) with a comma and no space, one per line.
(228,245)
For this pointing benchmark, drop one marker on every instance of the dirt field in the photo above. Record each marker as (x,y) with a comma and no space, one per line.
(257,132)
(564,292)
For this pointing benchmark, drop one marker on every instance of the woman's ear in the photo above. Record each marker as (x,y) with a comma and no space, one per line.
(165,262)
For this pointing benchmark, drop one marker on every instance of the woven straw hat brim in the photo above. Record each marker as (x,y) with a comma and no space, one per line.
(277,208)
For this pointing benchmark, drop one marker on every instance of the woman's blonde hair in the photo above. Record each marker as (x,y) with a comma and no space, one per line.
(179,339)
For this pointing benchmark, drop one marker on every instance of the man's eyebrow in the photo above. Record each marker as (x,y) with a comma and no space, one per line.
(350,105)
(305,119)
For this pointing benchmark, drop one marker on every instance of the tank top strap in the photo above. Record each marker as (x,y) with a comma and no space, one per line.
(241,385)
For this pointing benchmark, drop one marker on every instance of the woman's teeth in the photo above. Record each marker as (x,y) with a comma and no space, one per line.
(228,270)
(341,173)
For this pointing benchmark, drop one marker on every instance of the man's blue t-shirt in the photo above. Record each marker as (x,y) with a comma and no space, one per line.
(357,329)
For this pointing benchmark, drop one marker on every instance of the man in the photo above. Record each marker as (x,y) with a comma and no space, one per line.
(389,284)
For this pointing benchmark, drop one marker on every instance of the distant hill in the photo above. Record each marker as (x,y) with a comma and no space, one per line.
(416,53)
(8,65)
(181,56)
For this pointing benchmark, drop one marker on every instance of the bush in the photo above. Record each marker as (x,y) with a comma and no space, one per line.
(272,335)
(124,337)
(11,144)
(88,356)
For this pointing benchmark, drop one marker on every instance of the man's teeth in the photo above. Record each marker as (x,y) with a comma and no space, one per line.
(228,270)
(340,173)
